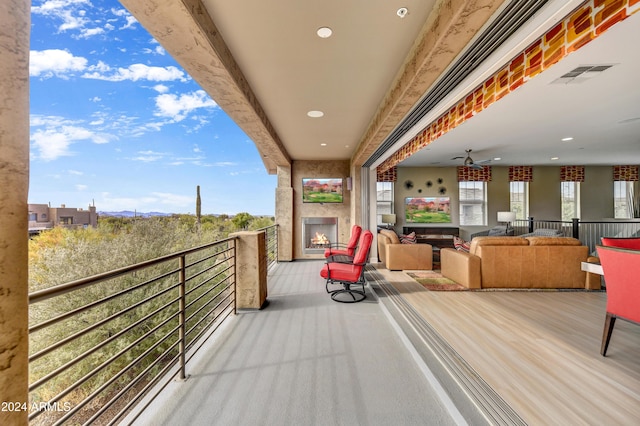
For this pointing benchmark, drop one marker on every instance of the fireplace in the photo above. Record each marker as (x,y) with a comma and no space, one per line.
(318,233)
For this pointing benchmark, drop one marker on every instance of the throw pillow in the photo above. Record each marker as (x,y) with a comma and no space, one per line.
(461,244)
(409,238)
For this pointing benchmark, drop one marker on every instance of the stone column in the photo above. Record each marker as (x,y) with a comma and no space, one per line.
(284,214)
(251,269)
(15,23)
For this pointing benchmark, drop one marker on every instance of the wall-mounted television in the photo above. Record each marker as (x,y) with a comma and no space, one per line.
(322,190)
(427,209)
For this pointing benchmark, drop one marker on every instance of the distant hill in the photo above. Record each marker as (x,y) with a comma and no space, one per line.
(129,213)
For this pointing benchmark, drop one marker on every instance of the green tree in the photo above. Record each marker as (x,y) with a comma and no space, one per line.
(242,220)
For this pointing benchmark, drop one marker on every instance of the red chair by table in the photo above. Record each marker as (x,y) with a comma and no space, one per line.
(622,276)
(632,243)
(350,248)
(349,274)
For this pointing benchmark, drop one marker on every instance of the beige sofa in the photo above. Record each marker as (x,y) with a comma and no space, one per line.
(397,256)
(515,262)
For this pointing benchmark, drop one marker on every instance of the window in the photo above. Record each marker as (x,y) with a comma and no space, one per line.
(384,200)
(473,203)
(66,220)
(33,217)
(519,199)
(570,200)
(622,199)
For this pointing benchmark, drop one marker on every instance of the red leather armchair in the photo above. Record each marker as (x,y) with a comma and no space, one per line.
(621,269)
(350,248)
(349,274)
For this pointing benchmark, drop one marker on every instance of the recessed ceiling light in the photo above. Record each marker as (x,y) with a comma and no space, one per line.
(315,114)
(567,139)
(323,144)
(497,158)
(555,158)
(324,32)
(402,12)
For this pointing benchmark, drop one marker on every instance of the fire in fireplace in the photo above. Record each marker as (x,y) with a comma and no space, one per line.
(320,240)
(318,233)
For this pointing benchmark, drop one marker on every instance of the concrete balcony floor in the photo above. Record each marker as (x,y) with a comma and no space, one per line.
(409,356)
(303,360)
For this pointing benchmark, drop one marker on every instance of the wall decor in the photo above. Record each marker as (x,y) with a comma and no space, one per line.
(442,190)
(440,180)
(322,190)
(408,184)
(427,210)
(429,184)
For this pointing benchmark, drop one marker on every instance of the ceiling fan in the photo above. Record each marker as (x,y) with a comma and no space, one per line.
(468,161)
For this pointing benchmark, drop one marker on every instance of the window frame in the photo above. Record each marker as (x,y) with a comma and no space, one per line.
(382,189)
(567,199)
(523,213)
(464,203)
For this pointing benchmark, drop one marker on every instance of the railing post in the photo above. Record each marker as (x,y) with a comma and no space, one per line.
(530,220)
(576,227)
(251,270)
(181,317)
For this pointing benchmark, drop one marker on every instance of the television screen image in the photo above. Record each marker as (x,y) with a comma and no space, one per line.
(322,190)
(427,210)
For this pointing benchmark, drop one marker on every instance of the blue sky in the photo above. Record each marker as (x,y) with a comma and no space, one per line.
(116,121)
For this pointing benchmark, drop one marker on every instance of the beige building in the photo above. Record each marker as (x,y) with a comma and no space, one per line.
(42,217)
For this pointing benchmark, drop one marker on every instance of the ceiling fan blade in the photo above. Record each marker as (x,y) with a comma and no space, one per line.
(457,158)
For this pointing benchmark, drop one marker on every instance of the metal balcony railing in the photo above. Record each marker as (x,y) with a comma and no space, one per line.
(98,344)
(271,236)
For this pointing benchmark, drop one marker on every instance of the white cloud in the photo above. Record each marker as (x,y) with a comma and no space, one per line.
(149,156)
(75,172)
(50,62)
(135,72)
(173,199)
(82,17)
(90,32)
(173,202)
(53,136)
(160,88)
(131,21)
(178,107)
(81,187)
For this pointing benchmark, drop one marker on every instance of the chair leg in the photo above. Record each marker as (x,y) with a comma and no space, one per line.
(609,322)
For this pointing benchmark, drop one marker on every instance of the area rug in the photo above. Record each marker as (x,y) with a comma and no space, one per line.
(434,281)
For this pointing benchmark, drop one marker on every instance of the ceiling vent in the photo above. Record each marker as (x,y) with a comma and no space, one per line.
(504,26)
(581,74)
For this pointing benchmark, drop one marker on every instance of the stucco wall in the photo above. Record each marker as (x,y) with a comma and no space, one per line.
(319,169)
(596,193)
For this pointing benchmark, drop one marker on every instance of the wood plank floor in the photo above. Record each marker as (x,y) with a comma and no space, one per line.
(540,351)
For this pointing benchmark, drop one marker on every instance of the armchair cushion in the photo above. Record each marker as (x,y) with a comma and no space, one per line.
(461,244)
(409,238)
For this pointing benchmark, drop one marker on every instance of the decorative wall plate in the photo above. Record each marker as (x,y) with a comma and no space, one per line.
(408,184)
(440,180)
(442,190)
(429,184)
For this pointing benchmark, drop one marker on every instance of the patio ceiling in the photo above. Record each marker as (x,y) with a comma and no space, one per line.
(264,64)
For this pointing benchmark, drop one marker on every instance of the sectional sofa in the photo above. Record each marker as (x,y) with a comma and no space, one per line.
(515,262)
